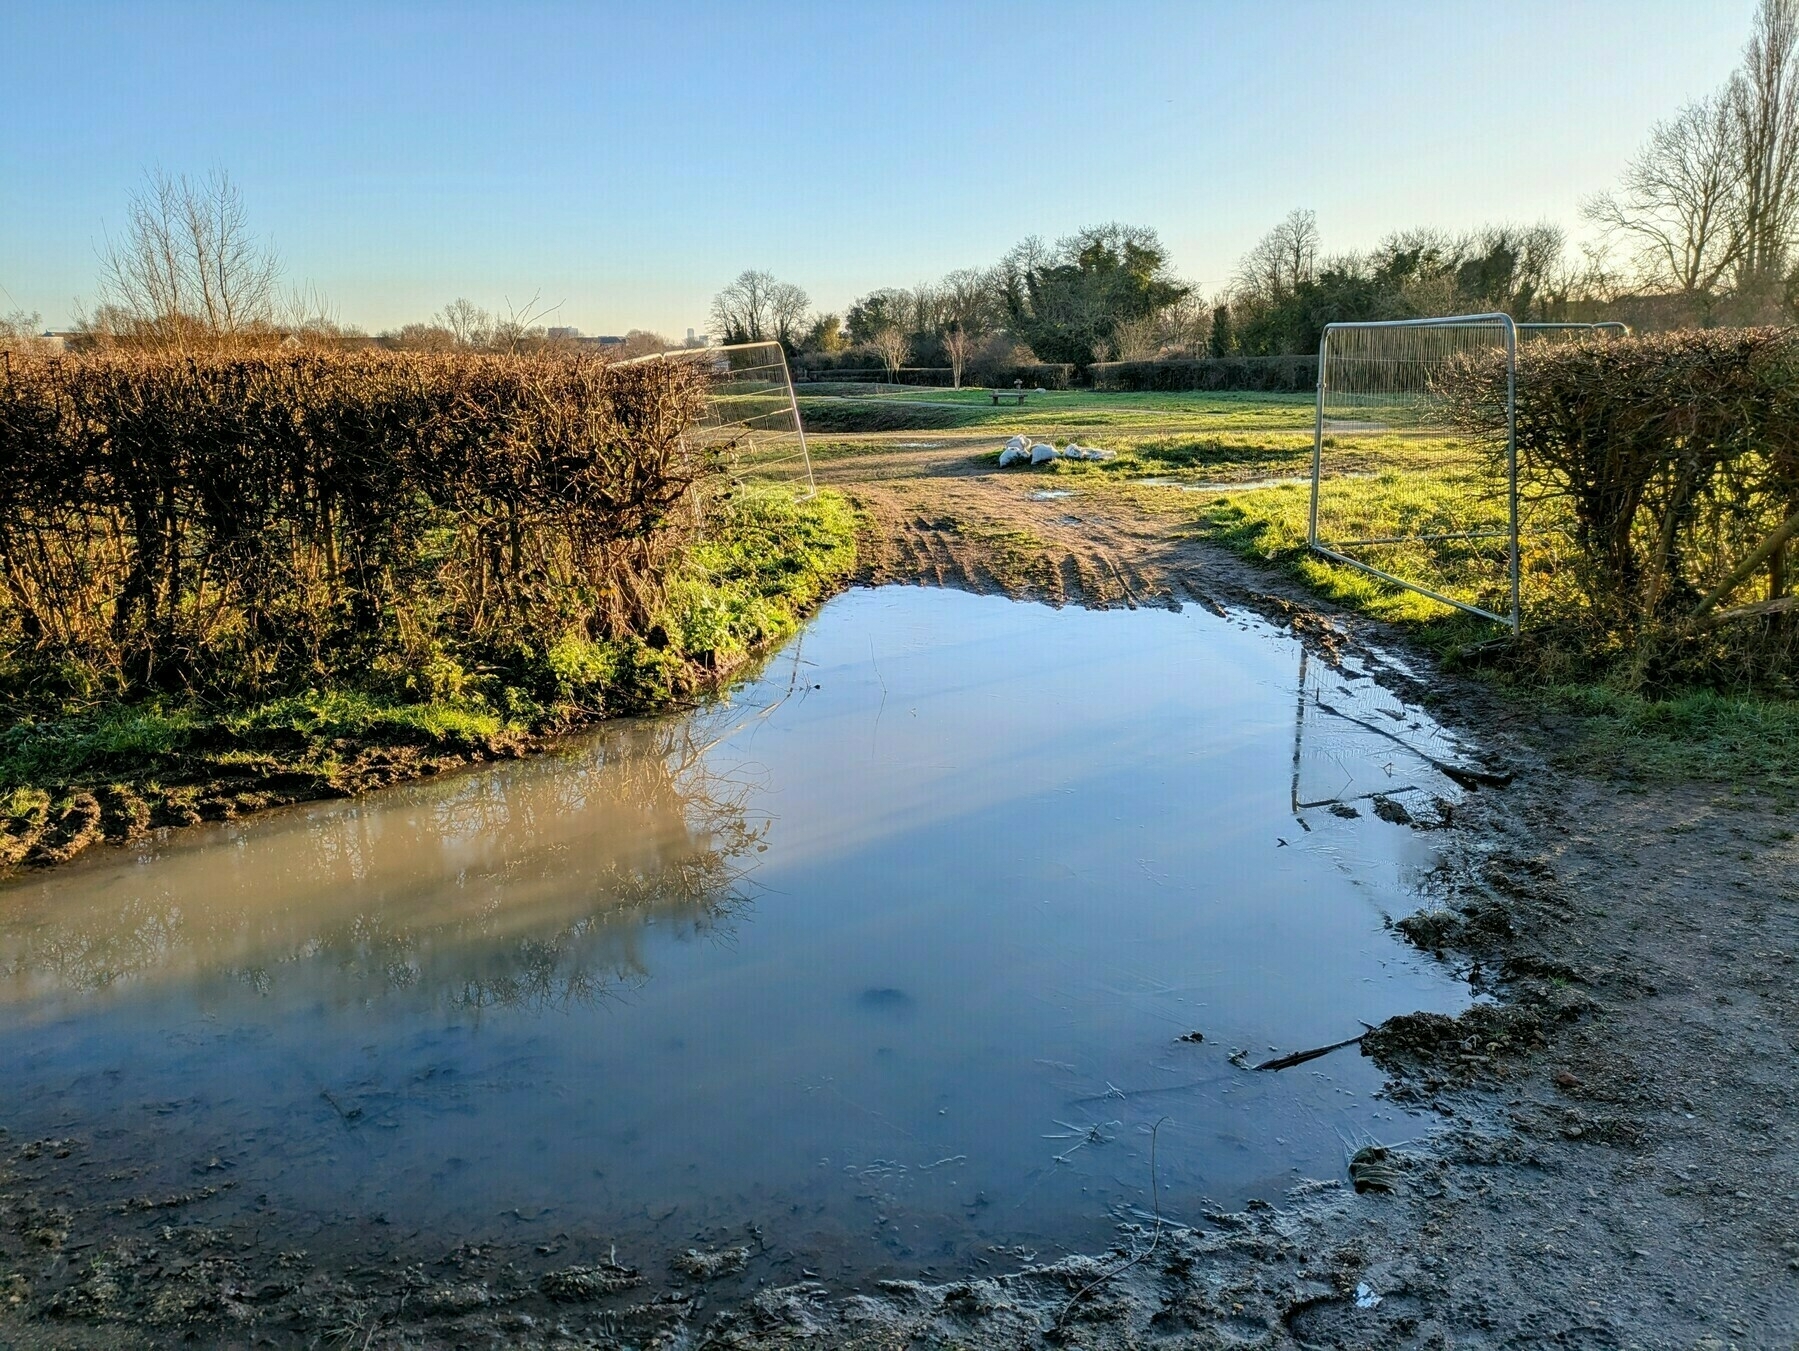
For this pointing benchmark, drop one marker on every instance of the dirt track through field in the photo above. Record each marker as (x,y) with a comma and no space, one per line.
(945,515)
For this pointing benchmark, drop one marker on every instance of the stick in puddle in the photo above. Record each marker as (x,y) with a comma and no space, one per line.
(1287,1062)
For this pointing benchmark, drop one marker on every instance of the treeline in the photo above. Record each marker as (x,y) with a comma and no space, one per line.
(1109,294)
(1286,290)
(1104,290)
(243,525)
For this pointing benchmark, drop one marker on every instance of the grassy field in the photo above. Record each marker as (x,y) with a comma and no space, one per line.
(853,408)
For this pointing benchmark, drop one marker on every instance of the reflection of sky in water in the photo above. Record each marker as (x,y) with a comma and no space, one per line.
(887,955)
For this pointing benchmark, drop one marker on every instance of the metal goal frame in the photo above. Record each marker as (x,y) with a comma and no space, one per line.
(1507,334)
(721,424)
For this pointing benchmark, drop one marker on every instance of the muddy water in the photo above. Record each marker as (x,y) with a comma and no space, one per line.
(883,964)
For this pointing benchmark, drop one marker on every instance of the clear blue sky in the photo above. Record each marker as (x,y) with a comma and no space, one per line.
(628,160)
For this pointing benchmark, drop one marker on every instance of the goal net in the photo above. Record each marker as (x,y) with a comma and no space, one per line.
(1399,490)
(751,417)
(1405,489)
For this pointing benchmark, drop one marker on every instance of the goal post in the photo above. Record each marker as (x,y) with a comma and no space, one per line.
(1398,491)
(750,416)
(1402,487)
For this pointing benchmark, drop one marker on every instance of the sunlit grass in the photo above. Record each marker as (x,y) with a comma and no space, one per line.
(1699,734)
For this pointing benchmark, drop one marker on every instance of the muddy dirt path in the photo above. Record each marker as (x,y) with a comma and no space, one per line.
(1618,1159)
(939,515)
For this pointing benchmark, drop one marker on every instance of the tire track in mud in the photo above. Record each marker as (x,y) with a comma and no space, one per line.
(953,521)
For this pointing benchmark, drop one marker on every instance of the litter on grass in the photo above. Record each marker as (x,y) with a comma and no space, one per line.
(1020,449)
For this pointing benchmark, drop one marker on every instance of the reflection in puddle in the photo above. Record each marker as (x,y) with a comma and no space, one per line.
(891,956)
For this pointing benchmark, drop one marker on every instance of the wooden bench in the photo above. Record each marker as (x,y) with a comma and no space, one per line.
(1016,395)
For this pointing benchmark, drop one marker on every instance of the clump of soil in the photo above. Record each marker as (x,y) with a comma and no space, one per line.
(700,1265)
(574,1285)
(1476,1043)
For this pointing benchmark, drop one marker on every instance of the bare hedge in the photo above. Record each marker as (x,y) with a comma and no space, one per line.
(252,523)
(1676,456)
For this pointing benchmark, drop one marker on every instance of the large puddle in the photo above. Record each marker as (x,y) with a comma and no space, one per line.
(882,965)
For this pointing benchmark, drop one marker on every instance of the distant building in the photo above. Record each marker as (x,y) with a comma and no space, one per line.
(566,333)
(698,339)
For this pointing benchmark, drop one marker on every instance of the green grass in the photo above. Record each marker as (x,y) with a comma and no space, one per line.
(1687,735)
(1702,734)
(846,408)
(765,561)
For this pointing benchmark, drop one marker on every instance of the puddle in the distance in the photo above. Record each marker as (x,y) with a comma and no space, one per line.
(1051,494)
(890,956)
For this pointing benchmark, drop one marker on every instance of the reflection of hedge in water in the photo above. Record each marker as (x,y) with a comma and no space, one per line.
(523,886)
(252,524)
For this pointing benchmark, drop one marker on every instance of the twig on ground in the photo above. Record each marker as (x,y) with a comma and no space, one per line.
(1156,1201)
(1287,1062)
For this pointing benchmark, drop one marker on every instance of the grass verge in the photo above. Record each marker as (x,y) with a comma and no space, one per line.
(116,770)
(1707,735)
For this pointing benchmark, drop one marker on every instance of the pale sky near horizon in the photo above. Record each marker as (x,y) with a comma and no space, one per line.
(624,162)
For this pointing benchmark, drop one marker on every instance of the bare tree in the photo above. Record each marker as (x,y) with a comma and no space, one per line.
(958,345)
(309,319)
(1680,204)
(924,310)
(788,306)
(187,271)
(894,347)
(1763,98)
(968,302)
(418,338)
(468,323)
(1137,339)
(521,329)
(20,330)
(747,309)
(1282,259)
(640,342)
